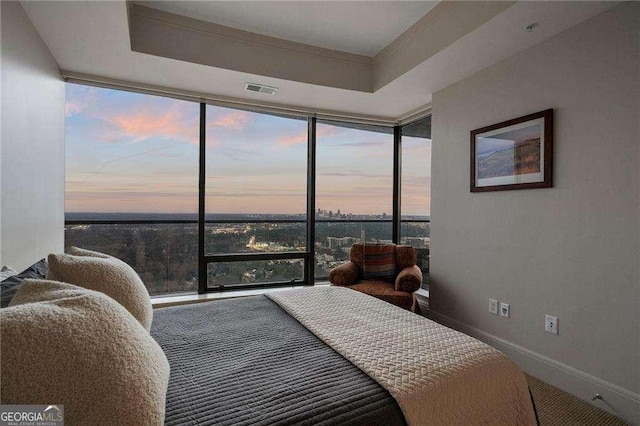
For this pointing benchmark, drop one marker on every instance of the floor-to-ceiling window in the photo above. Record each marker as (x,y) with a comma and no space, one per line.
(415,190)
(256,198)
(200,197)
(132,182)
(354,190)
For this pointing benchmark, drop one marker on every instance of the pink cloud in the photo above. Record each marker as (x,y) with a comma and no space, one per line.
(293,140)
(302,137)
(236,120)
(145,124)
(72,108)
(77,103)
(132,117)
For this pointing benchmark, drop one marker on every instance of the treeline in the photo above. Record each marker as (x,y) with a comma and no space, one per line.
(166,255)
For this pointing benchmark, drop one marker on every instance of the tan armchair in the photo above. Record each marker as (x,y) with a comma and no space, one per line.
(387,272)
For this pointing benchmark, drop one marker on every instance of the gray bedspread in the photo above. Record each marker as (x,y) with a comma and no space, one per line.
(246,361)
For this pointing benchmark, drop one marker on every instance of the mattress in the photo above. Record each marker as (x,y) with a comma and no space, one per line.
(246,361)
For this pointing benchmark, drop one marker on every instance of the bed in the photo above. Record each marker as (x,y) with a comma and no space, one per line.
(330,355)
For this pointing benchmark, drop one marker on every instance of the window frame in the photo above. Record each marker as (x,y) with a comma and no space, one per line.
(309,254)
(425,283)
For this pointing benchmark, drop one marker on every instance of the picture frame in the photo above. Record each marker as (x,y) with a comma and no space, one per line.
(513,154)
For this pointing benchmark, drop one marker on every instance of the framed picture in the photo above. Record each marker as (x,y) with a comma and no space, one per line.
(514,154)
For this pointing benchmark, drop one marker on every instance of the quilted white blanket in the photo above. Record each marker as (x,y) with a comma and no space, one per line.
(437,375)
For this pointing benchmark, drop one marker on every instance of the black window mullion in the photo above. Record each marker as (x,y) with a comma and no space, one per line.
(397,175)
(310,261)
(202,264)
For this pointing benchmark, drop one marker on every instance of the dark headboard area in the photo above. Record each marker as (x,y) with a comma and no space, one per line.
(9,286)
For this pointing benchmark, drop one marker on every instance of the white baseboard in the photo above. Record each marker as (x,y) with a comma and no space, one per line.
(615,399)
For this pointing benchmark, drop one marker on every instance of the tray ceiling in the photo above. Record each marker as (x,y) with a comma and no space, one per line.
(91,39)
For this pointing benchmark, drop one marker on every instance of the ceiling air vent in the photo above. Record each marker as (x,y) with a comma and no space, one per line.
(260,88)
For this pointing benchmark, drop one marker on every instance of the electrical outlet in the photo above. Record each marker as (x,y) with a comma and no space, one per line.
(505,310)
(493,306)
(551,324)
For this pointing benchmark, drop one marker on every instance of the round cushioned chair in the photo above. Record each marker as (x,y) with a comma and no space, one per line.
(385,271)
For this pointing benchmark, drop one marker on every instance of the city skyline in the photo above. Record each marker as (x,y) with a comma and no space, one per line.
(133,153)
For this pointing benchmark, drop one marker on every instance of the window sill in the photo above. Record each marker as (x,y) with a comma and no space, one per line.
(422,297)
(187,299)
(422,293)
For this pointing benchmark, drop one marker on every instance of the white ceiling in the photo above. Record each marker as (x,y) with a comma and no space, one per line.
(92,37)
(360,27)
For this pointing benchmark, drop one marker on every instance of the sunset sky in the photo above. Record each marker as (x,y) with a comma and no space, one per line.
(134,153)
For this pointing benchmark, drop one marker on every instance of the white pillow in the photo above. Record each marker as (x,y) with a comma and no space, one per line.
(63,344)
(108,275)
(77,251)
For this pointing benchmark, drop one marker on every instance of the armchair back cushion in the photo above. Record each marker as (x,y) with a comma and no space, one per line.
(405,255)
(379,262)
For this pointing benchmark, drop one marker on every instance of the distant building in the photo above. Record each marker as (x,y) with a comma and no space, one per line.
(417,242)
(338,242)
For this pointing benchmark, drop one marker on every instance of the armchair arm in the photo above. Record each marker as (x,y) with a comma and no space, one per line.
(409,279)
(345,274)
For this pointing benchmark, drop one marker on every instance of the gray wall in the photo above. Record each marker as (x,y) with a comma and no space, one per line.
(32,144)
(573,250)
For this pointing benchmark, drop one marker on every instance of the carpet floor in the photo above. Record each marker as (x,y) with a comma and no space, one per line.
(556,407)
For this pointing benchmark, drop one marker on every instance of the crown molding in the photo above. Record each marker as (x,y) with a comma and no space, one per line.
(414,114)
